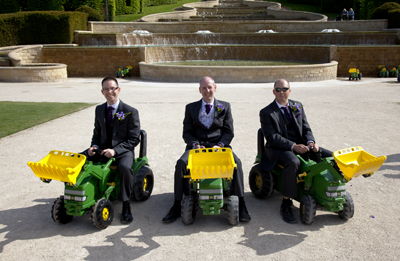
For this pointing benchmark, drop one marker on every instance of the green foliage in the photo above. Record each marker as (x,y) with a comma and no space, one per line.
(9,6)
(382,11)
(18,116)
(40,27)
(160,2)
(39,5)
(93,14)
(394,18)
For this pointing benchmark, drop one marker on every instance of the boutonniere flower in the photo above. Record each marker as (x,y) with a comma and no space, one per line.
(219,109)
(121,115)
(296,108)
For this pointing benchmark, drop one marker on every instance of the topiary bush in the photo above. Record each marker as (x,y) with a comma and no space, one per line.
(382,11)
(40,27)
(93,14)
(394,18)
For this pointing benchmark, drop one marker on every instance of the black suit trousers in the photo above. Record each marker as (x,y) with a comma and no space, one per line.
(291,165)
(182,186)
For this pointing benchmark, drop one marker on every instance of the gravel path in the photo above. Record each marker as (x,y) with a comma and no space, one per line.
(342,114)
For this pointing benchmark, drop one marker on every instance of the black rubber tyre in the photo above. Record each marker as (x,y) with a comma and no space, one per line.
(188,210)
(348,208)
(360,76)
(308,209)
(398,78)
(143,184)
(261,182)
(102,213)
(233,210)
(349,78)
(59,213)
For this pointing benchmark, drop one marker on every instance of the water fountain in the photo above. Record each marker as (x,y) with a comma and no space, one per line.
(148,46)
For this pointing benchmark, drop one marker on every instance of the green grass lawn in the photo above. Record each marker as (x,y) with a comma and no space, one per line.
(170,8)
(17,116)
(152,10)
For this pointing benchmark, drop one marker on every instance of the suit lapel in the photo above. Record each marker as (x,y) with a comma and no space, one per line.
(196,111)
(295,118)
(115,122)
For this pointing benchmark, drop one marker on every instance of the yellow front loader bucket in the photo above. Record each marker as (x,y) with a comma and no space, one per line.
(211,163)
(59,165)
(355,161)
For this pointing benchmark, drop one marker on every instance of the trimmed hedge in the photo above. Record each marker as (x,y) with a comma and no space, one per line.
(93,14)
(40,27)
(394,18)
(382,11)
(40,5)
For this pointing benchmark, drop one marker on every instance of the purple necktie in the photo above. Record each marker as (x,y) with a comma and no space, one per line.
(208,108)
(287,113)
(109,114)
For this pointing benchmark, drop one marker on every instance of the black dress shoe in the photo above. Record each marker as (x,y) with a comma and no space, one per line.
(287,214)
(172,215)
(126,213)
(244,215)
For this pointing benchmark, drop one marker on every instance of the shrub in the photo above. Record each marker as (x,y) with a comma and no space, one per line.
(9,6)
(93,14)
(394,18)
(382,11)
(40,27)
(39,5)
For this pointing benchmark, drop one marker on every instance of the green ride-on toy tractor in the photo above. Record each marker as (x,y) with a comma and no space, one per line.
(320,183)
(394,72)
(91,185)
(210,172)
(383,72)
(354,74)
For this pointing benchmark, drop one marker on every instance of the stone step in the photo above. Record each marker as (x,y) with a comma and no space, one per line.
(4,61)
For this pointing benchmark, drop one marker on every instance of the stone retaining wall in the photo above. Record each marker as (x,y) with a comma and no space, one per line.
(35,72)
(238,26)
(94,61)
(235,74)
(366,58)
(343,38)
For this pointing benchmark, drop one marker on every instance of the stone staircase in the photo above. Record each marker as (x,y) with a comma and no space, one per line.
(4,60)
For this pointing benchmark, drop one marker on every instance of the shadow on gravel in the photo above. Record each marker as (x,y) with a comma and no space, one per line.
(266,233)
(394,158)
(272,234)
(35,222)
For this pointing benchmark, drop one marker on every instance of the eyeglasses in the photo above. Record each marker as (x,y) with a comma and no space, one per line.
(111,89)
(281,89)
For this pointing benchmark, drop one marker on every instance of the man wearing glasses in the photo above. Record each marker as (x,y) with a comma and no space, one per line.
(287,132)
(117,132)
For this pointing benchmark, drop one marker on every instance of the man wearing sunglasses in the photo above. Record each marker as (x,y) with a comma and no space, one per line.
(287,132)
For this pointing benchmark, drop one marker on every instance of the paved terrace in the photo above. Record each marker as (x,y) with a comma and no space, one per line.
(342,114)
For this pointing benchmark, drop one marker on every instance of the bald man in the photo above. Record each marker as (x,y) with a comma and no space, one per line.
(208,123)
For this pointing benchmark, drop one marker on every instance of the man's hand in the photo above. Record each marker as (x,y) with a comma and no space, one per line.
(216,146)
(198,146)
(91,152)
(313,145)
(300,148)
(108,153)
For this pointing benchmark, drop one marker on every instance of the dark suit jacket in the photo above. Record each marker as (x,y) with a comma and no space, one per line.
(126,133)
(275,131)
(221,129)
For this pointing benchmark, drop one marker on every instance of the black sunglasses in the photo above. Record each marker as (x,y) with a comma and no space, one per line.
(281,89)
